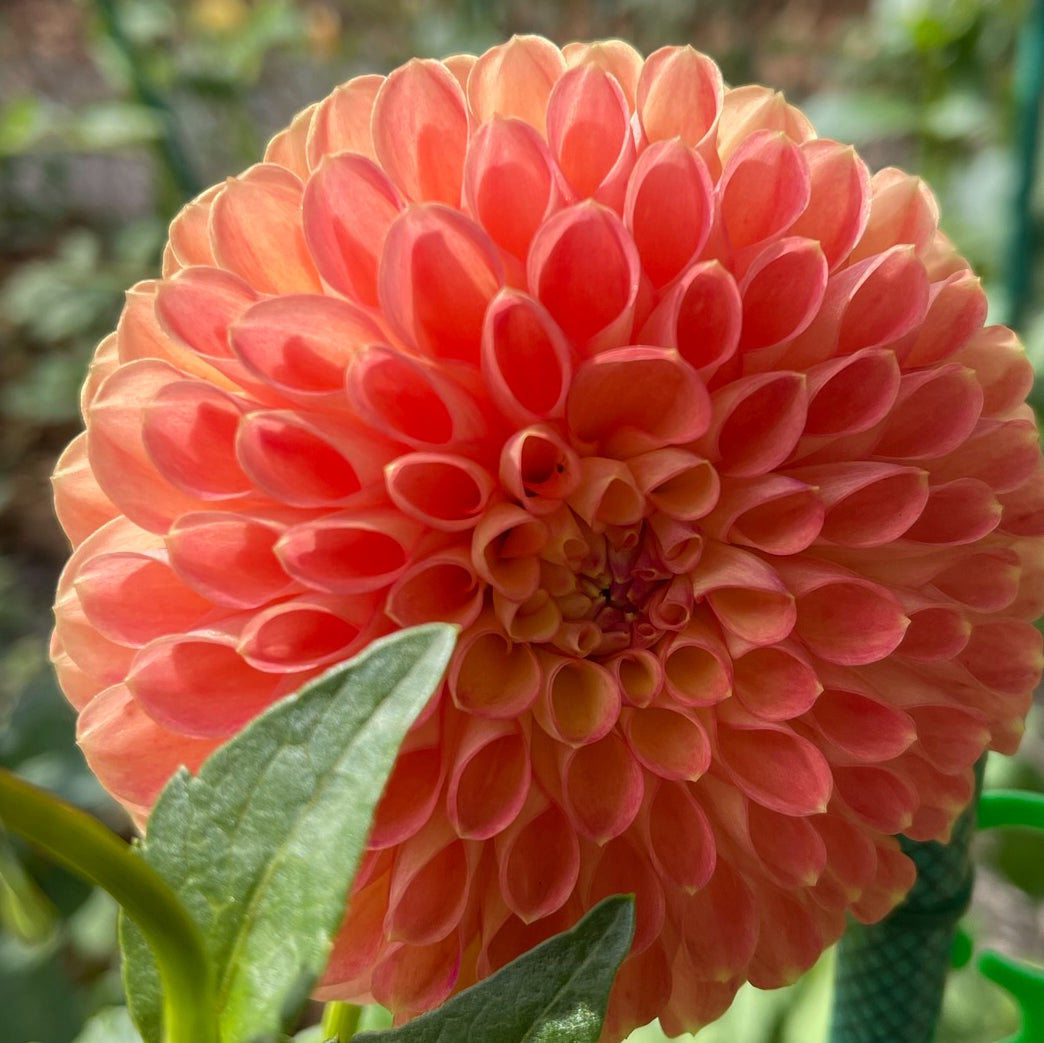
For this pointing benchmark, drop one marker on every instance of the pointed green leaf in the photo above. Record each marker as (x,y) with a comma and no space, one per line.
(555,993)
(262,845)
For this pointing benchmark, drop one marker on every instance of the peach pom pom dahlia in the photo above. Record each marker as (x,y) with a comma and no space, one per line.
(691,425)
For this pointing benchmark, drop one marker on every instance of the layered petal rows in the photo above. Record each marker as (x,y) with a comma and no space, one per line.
(689,422)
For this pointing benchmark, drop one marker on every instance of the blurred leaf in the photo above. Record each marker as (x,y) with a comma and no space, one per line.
(23,121)
(24,909)
(262,845)
(861,116)
(555,993)
(109,125)
(35,997)
(112,1025)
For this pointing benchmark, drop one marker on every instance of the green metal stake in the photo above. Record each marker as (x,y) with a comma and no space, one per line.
(1028,90)
(890,976)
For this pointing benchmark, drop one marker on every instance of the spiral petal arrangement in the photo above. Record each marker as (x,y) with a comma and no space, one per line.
(692,426)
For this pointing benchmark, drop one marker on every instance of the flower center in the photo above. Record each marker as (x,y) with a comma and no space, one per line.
(620,594)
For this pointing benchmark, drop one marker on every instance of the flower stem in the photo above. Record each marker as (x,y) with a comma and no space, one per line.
(340,1021)
(176,164)
(83,845)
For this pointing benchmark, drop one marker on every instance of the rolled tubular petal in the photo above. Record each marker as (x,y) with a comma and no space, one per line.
(515,79)
(636,399)
(229,557)
(420,132)
(411,402)
(347,208)
(679,96)
(437,274)
(584,268)
(700,315)
(589,133)
(349,553)
(200,685)
(526,360)
(341,122)
(507,155)
(669,208)
(255,231)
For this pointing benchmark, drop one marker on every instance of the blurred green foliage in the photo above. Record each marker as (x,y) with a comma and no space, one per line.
(112,111)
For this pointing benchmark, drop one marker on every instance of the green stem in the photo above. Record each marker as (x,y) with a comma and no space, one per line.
(86,847)
(340,1021)
(1028,87)
(170,146)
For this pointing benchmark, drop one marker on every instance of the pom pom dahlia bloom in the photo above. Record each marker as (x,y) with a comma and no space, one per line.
(691,425)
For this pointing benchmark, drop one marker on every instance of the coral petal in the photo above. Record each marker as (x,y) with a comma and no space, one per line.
(348,206)
(515,79)
(602,788)
(132,754)
(776,768)
(491,676)
(585,269)
(669,208)
(255,231)
(420,131)
(438,272)
(508,158)
(636,399)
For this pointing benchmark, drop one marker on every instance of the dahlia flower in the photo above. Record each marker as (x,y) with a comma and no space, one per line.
(689,422)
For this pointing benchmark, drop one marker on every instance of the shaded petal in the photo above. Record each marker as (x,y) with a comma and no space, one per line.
(491,676)
(782,291)
(200,685)
(412,401)
(776,768)
(229,557)
(775,683)
(442,490)
(669,208)
(602,787)
(764,187)
(902,210)
(438,273)
(341,122)
(420,131)
(756,422)
(667,743)
(129,752)
(440,587)
(839,206)
(579,702)
(349,552)
(255,231)
(680,96)
(584,268)
(632,400)
(700,316)
(508,159)
(489,780)
(515,79)
(347,209)
(538,858)
(526,360)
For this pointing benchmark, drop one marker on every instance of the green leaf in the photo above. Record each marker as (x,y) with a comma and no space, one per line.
(555,993)
(262,845)
(111,1025)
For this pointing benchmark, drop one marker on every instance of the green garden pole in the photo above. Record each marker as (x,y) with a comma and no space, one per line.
(890,976)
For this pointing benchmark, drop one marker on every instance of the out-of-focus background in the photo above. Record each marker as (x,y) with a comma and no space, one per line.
(113,112)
